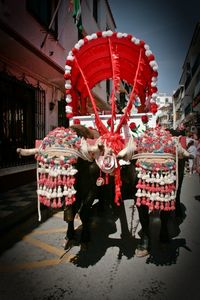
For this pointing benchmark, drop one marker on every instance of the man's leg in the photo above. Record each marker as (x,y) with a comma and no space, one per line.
(144,243)
(181,168)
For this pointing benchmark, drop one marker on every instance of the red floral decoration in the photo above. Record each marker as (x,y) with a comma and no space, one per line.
(132,126)
(77,121)
(145,119)
(153,108)
(109,122)
(69,115)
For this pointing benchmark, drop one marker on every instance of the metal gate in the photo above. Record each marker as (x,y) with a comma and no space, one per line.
(22,118)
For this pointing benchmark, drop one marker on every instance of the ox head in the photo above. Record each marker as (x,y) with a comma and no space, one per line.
(108,150)
(105,151)
(128,152)
(107,160)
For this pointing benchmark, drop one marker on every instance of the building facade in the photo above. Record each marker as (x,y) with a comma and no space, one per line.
(165,110)
(35,38)
(187,96)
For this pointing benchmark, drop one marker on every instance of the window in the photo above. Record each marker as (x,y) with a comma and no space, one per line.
(62,120)
(95,10)
(188,109)
(43,11)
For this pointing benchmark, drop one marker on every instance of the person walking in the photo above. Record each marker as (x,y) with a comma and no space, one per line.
(192,149)
(198,157)
(180,133)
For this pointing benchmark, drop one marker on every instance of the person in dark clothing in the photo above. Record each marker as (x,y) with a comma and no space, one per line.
(181,133)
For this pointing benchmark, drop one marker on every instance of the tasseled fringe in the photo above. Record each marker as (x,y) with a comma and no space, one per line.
(118,184)
(156,185)
(56,190)
(156,205)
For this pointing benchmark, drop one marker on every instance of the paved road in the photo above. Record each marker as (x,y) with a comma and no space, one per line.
(31,266)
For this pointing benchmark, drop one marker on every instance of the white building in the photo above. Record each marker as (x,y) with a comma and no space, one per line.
(35,38)
(165,109)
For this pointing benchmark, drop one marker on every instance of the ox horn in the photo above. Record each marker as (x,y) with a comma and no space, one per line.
(91,151)
(27,152)
(128,152)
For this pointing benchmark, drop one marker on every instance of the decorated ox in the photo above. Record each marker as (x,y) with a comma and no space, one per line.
(156,154)
(74,168)
(70,169)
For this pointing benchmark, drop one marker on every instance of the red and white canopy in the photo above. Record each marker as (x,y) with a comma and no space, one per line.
(110,55)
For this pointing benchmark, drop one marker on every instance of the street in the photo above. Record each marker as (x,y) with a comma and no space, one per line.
(34,265)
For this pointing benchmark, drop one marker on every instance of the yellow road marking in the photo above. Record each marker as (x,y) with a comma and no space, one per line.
(46,231)
(30,265)
(59,215)
(44,246)
(67,258)
(37,264)
(50,248)
(62,256)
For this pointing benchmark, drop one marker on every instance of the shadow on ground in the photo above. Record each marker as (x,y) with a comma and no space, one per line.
(103,226)
(24,227)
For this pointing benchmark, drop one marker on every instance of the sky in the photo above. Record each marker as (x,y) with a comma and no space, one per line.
(167,26)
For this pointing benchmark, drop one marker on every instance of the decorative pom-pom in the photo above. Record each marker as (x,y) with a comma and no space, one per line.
(99,34)
(69,115)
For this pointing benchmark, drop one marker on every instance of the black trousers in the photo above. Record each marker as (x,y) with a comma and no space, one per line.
(181,169)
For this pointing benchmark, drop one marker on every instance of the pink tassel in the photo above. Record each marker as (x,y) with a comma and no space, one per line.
(151,206)
(162,206)
(138,201)
(173,205)
(143,202)
(48,203)
(148,202)
(41,199)
(66,200)
(162,189)
(59,205)
(157,205)
(54,204)
(59,180)
(167,208)
(44,200)
(138,186)
(64,180)
(72,180)
(73,199)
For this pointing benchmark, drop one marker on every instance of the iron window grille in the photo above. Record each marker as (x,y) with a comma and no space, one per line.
(22,119)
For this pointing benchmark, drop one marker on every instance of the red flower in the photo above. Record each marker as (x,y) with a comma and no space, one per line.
(157,146)
(109,122)
(145,119)
(69,115)
(153,108)
(77,121)
(132,126)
